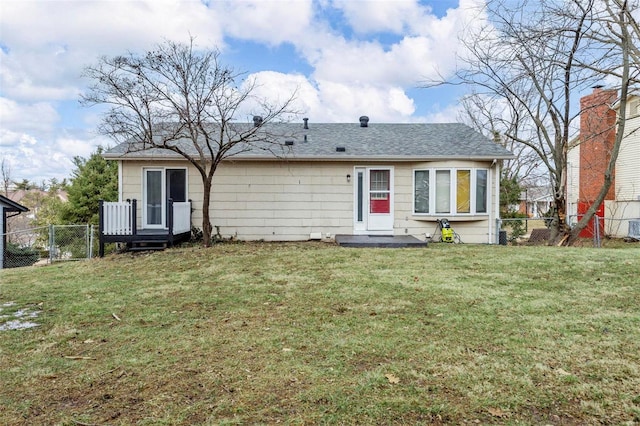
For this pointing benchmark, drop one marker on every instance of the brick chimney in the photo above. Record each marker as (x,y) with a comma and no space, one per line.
(597,135)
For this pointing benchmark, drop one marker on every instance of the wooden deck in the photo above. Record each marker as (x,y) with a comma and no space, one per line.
(146,239)
(118,224)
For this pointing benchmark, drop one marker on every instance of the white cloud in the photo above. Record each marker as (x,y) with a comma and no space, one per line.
(39,116)
(32,144)
(426,50)
(70,147)
(279,87)
(9,138)
(36,159)
(271,22)
(50,42)
(347,102)
(396,16)
(106,26)
(446,114)
(328,101)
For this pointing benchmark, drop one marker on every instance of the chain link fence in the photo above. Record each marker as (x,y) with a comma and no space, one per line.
(610,227)
(521,229)
(49,244)
(71,242)
(536,230)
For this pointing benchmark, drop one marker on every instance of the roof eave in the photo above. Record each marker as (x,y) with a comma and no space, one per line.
(12,206)
(394,158)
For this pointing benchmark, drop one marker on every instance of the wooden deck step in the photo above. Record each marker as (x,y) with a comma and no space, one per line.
(144,245)
(146,248)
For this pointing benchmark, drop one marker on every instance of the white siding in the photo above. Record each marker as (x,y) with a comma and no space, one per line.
(628,164)
(288,201)
(627,184)
(281,201)
(573,182)
(617,215)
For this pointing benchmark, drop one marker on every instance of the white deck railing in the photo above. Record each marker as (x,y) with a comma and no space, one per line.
(181,217)
(117,218)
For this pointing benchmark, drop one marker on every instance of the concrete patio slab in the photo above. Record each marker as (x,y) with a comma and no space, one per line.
(383,241)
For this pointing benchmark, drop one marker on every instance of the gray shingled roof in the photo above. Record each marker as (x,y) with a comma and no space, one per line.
(383,141)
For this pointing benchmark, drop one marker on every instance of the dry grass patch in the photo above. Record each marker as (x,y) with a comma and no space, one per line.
(312,333)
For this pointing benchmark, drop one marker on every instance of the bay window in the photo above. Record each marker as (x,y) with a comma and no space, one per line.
(481,190)
(443,191)
(421,192)
(450,191)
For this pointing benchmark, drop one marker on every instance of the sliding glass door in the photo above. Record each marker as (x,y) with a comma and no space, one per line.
(160,185)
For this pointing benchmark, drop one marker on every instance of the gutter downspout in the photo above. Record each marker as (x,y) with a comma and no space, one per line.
(495,210)
(119,181)
(490,215)
(497,206)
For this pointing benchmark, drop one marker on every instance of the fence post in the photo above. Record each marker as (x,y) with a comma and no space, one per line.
(170,220)
(101,228)
(91,242)
(134,217)
(596,231)
(52,243)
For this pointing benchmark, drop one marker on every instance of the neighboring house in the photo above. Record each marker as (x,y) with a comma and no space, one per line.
(337,178)
(23,227)
(33,198)
(8,208)
(536,201)
(626,203)
(588,161)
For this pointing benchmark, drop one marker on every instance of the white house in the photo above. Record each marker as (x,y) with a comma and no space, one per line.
(622,204)
(626,205)
(331,178)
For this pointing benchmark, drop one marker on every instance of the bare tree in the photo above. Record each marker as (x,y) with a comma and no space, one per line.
(537,57)
(183,100)
(5,172)
(495,118)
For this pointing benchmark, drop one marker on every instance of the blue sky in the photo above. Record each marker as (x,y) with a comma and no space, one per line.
(346,58)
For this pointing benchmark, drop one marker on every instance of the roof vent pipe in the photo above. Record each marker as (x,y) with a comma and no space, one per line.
(364,121)
(306,123)
(257,120)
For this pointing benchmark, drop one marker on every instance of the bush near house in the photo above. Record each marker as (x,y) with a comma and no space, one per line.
(17,256)
(515,222)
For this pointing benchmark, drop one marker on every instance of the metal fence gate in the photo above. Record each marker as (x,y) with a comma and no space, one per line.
(49,244)
(70,242)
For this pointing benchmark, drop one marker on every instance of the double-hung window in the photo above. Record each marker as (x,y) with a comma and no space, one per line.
(457,191)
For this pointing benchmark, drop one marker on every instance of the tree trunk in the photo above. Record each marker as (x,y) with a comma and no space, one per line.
(207,228)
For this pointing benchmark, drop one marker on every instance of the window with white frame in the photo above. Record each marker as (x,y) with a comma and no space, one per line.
(455,191)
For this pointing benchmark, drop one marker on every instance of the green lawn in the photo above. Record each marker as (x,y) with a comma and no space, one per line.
(311,333)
